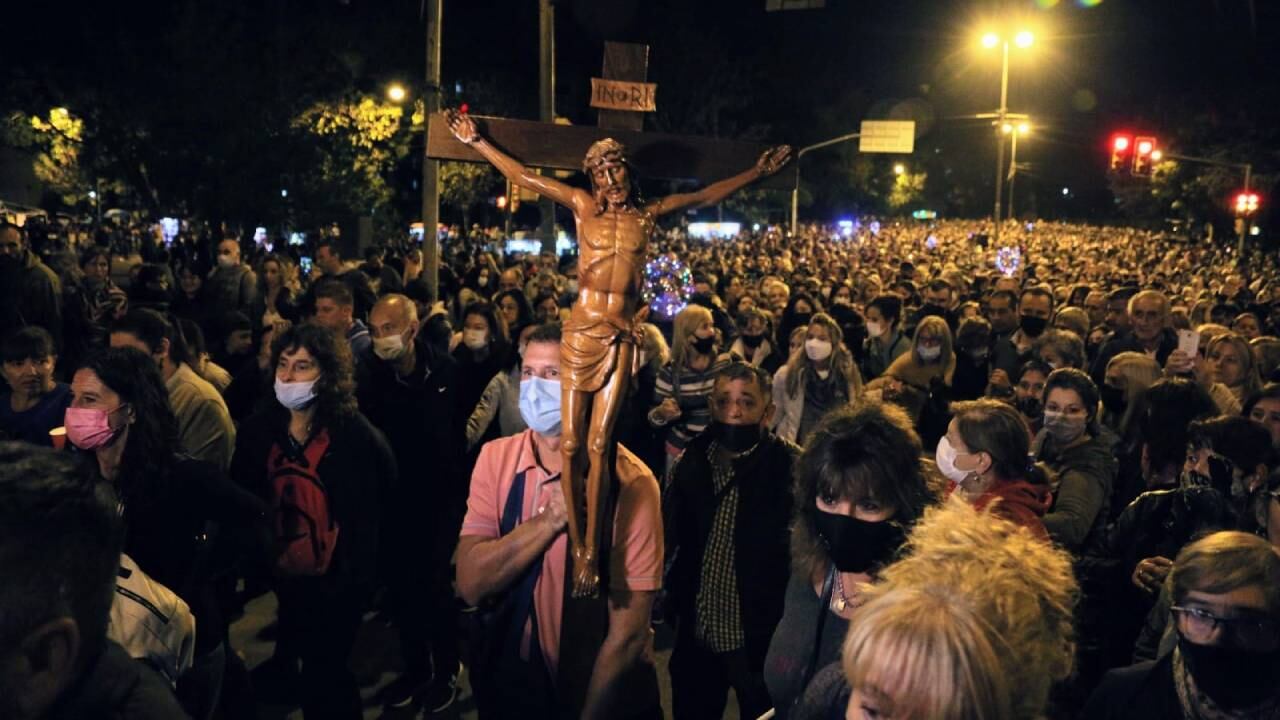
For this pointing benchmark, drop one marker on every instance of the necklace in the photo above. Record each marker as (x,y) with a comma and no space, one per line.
(839,601)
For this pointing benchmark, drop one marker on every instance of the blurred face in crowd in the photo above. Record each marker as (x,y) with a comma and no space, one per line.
(1051,357)
(97,269)
(30,376)
(1035,306)
(733,290)
(777,297)
(509,280)
(239,342)
(1225,364)
(739,402)
(797,340)
(334,316)
(1096,305)
(1148,318)
(1267,412)
(1117,316)
(297,366)
(189,282)
(1067,402)
(941,298)
(328,261)
(1248,602)
(510,310)
(1247,325)
(1031,385)
(802,307)
(11,245)
(746,302)
(842,296)
(1002,314)
(477,325)
(547,310)
(1007,283)
(271,274)
(229,252)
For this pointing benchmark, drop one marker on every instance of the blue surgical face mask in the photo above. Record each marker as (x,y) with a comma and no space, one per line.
(540,405)
(295,395)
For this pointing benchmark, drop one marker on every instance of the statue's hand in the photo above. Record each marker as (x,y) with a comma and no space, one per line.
(772,160)
(462,126)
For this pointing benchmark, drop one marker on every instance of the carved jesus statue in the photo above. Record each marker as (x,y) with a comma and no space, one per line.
(598,341)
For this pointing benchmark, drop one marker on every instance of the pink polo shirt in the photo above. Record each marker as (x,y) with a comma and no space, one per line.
(636,557)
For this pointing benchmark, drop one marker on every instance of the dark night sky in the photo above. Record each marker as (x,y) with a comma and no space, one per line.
(1193,72)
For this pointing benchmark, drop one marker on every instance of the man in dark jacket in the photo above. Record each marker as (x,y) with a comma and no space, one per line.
(232,287)
(1149,333)
(30,293)
(726,519)
(60,541)
(410,395)
(1226,611)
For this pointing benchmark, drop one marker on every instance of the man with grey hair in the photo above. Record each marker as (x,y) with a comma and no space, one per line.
(1149,333)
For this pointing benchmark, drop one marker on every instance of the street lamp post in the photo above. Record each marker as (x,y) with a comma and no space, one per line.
(1022,39)
(795,190)
(1015,131)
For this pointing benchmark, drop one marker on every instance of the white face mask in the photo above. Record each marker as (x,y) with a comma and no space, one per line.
(474,339)
(946,459)
(816,349)
(875,329)
(227,261)
(391,347)
(929,354)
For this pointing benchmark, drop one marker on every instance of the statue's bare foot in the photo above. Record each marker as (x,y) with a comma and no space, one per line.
(586,581)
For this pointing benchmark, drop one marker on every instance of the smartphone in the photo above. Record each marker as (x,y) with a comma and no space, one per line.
(304,263)
(1189,342)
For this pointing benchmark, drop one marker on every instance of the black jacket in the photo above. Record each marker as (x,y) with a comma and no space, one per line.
(761,538)
(117,687)
(358,470)
(1145,690)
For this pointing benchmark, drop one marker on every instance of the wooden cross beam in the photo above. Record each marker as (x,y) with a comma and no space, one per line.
(562,147)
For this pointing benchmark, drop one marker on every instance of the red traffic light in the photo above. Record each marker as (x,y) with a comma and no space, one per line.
(1120,143)
(1247,203)
(1145,146)
(1119,153)
(1144,149)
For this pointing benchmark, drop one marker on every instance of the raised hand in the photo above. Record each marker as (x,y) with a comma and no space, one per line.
(462,126)
(772,160)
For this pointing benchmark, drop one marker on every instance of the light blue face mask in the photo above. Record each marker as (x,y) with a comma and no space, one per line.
(540,405)
(295,395)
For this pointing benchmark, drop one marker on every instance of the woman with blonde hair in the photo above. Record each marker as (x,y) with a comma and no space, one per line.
(1128,375)
(931,356)
(975,622)
(819,378)
(684,383)
(1229,361)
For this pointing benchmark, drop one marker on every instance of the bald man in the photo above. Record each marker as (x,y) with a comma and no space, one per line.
(410,397)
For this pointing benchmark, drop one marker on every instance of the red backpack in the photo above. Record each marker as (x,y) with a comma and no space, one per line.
(305,531)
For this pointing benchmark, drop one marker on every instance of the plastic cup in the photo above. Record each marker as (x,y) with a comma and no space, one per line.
(59,437)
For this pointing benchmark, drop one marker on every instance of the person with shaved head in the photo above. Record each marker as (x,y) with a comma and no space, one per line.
(410,396)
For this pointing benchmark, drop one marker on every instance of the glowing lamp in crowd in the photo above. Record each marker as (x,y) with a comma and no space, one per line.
(1024,39)
(990,40)
(502,202)
(1008,260)
(396,92)
(668,285)
(899,169)
(1255,230)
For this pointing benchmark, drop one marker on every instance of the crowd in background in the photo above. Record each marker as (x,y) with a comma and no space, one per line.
(904,467)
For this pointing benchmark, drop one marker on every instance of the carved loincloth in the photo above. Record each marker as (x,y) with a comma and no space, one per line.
(589,352)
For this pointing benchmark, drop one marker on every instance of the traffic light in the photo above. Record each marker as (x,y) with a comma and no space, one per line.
(1120,153)
(1246,203)
(1143,149)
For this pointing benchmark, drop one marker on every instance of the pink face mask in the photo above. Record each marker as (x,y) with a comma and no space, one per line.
(89,428)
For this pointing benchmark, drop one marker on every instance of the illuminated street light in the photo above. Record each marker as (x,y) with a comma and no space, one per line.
(396,92)
(1024,39)
(990,40)
(899,169)
(1024,128)
(1006,128)
(1156,156)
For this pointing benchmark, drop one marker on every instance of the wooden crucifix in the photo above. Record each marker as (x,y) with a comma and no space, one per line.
(614,227)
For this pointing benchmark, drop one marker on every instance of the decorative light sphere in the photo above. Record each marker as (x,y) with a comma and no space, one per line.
(668,285)
(1008,260)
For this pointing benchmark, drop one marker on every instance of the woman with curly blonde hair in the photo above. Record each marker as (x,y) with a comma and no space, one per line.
(975,622)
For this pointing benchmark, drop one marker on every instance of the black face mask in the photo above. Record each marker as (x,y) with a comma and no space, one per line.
(857,546)
(1234,678)
(1033,326)
(1112,399)
(802,318)
(703,344)
(735,438)
(1029,406)
(752,341)
(932,309)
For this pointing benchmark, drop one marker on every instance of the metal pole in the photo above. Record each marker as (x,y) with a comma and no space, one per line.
(1004,109)
(795,191)
(1013,170)
(431,168)
(1247,220)
(547,106)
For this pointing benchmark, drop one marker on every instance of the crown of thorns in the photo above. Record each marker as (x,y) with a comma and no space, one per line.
(604,152)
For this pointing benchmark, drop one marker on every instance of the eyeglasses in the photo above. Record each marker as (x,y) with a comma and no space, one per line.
(1199,626)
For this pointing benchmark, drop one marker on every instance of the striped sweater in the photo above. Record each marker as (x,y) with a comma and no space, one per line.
(692,390)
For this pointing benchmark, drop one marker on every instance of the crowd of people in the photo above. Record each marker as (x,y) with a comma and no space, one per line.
(888,470)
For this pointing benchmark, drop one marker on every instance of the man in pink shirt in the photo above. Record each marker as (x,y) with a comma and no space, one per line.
(512,558)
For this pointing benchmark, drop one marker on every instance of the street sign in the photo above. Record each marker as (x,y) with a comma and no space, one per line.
(887,136)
